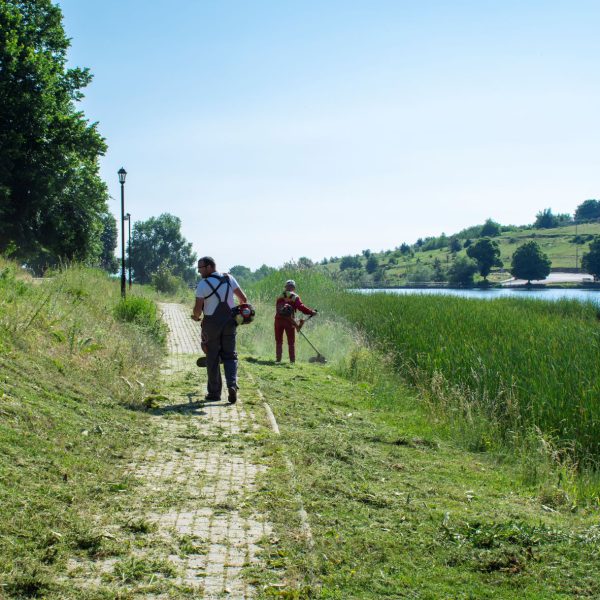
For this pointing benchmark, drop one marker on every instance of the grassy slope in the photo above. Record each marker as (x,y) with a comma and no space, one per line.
(70,376)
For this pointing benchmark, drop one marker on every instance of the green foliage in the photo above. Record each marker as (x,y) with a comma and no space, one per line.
(420,274)
(588,210)
(438,271)
(461,271)
(545,220)
(591,260)
(350,262)
(487,254)
(510,360)
(490,229)
(454,244)
(108,260)
(143,313)
(159,240)
(372,264)
(246,276)
(51,195)
(165,282)
(529,262)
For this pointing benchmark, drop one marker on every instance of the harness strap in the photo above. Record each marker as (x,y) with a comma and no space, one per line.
(222,280)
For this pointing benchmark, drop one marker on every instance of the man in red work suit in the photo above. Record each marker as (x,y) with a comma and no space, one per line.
(285,309)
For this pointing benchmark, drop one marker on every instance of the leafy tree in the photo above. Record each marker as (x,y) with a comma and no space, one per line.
(366,253)
(438,271)
(379,275)
(487,254)
(164,281)
(591,260)
(108,237)
(405,248)
(51,196)
(490,229)
(529,262)
(588,210)
(545,220)
(420,274)
(159,240)
(454,244)
(262,272)
(350,262)
(372,264)
(461,271)
(467,243)
(305,263)
(241,273)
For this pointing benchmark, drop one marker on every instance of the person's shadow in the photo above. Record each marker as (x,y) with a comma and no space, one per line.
(193,406)
(260,361)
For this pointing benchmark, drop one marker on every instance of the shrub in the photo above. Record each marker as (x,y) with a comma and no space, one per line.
(143,313)
(165,282)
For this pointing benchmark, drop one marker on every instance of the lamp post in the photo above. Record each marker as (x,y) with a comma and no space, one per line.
(128,219)
(122,175)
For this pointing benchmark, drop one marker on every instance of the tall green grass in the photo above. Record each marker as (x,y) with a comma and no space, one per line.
(523,364)
(70,375)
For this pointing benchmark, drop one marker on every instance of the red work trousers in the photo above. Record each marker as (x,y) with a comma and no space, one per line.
(285,324)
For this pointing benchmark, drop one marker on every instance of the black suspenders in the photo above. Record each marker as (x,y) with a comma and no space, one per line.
(222,280)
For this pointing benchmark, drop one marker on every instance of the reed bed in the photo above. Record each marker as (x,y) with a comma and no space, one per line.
(525,364)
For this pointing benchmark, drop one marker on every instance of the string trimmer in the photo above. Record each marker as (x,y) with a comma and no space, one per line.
(319,357)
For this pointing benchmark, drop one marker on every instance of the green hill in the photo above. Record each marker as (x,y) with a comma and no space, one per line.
(417,263)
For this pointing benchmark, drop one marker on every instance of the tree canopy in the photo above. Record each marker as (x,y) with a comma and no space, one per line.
(372,264)
(588,210)
(591,260)
(545,219)
(461,271)
(490,229)
(350,262)
(108,237)
(487,254)
(158,241)
(51,196)
(529,262)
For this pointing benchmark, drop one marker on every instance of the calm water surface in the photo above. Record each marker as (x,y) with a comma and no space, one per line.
(552,294)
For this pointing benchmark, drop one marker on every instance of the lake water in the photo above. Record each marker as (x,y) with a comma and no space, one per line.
(549,294)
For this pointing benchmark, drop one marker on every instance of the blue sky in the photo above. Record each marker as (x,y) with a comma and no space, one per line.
(276,130)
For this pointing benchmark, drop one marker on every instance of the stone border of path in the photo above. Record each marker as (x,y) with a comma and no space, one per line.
(305,524)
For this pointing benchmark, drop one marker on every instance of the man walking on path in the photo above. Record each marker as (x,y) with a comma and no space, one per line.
(214,298)
(285,310)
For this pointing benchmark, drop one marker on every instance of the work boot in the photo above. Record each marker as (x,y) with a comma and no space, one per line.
(232,394)
(211,398)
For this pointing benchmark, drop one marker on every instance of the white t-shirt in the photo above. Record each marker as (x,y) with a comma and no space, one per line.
(203,290)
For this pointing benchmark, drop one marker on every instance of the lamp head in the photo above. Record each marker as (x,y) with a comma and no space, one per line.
(122,174)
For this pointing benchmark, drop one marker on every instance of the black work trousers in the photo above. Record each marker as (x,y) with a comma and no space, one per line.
(218,333)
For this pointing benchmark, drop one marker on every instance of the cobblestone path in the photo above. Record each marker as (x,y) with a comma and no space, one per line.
(213,472)
(187,526)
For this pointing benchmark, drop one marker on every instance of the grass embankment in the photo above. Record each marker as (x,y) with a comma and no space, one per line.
(397,508)
(71,380)
(504,373)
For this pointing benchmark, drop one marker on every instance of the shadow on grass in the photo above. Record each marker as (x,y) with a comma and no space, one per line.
(259,361)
